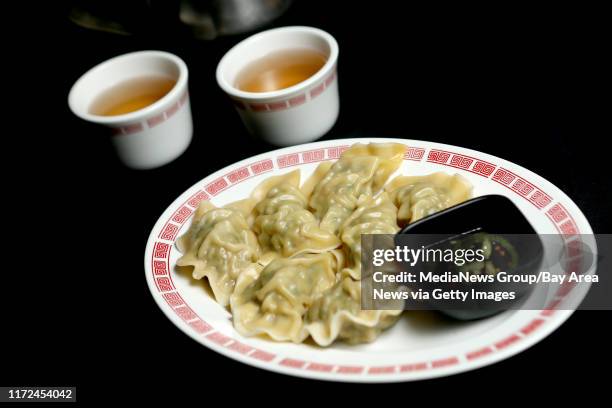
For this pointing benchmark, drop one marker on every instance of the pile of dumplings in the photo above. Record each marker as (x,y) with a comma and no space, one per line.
(287,260)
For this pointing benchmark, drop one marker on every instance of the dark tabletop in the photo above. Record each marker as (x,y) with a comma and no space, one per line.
(524,84)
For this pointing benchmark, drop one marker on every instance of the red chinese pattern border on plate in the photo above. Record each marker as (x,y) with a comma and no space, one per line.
(160,260)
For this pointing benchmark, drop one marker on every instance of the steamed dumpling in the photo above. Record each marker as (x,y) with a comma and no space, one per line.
(377,215)
(419,196)
(337,315)
(360,172)
(283,222)
(219,245)
(272,301)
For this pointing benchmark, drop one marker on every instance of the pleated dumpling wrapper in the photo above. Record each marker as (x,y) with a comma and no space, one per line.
(419,196)
(282,221)
(219,245)
(376,215)
(272,300)
(361,172)
(337,315)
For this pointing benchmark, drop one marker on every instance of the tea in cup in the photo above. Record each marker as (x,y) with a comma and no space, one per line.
(283,83)
(142,97)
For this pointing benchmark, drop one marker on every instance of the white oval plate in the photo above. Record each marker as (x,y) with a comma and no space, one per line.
(417,347)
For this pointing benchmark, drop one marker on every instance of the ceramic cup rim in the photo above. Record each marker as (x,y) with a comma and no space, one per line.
(78,88)
(231,90)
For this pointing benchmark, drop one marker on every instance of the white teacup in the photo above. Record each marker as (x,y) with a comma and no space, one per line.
(300,113)
(149,137)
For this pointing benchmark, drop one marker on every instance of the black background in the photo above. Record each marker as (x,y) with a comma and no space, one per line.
(521,82)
